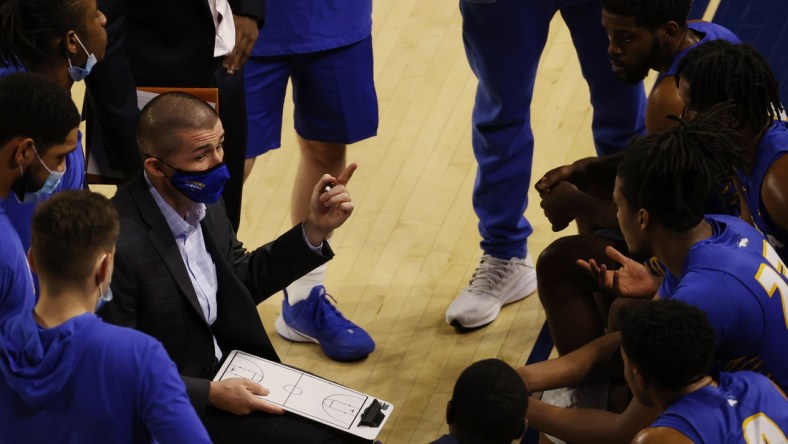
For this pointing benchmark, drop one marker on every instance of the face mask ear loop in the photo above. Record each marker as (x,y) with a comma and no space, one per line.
(21,171)
(80,44)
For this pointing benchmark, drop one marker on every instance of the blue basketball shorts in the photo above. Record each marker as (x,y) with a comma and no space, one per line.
(333,92)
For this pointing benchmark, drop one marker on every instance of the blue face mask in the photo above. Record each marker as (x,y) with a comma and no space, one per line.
(49,186)
(201,186)
(78,74)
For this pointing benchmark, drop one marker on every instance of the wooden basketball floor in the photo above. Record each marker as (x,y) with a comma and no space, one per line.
(412,243)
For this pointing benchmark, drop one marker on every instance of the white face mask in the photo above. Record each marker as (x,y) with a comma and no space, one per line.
(77,73)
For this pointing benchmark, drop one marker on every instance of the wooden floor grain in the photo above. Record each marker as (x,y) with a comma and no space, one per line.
(412,243)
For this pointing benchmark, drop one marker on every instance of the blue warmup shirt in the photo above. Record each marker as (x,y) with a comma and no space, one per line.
(773,145)
(739,281)
(745,405)
(298,27)
(707,32)
(86,381)
(16,282)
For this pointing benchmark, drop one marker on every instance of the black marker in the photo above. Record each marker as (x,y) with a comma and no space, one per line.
(328,187)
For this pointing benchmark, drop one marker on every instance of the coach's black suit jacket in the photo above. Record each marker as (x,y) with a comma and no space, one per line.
(153,293)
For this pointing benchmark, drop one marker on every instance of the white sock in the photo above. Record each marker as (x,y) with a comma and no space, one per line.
(299,290)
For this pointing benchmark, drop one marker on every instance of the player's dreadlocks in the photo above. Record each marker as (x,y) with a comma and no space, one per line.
(29,28)
(650,13)
(671,173)
(719,71)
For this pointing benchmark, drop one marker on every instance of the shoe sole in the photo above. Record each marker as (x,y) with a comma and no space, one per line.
(528,290)
(294,335)
(290,333)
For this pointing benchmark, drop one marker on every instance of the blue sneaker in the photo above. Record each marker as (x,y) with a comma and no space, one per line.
(315,319)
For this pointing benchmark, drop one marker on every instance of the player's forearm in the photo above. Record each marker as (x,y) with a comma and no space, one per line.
(587,364)
(590,425)
(584,426)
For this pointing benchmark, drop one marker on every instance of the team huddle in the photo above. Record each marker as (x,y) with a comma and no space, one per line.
(676,280)
(668,309)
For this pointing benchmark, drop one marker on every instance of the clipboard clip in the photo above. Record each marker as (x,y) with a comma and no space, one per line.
(373,415)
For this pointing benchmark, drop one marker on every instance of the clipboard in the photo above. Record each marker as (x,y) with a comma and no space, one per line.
(97,167)
(310,396)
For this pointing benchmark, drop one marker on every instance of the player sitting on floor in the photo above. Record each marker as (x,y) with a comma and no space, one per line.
(644,35)
(717,263)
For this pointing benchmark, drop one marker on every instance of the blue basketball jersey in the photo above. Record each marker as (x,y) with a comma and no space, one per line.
(774,144)
(744,407)
(707,31)
(739,281)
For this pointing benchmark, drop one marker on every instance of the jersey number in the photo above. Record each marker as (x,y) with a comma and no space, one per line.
(773,279)
(759,429)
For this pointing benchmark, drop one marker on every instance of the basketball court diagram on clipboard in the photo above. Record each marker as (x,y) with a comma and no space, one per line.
(310,396)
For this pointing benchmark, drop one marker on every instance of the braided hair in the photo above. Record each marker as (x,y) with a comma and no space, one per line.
(650,13)
(671,173)
(718,71)
(28,28)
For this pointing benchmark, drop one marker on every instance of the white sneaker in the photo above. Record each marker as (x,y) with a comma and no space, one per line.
(495,283)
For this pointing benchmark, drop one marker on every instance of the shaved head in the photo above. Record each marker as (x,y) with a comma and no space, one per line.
(163,120)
